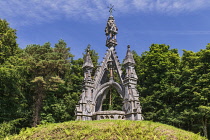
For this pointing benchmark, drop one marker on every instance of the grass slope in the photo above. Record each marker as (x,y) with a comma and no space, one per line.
(105,129)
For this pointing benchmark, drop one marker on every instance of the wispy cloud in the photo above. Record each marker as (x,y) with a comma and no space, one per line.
(170,6)
(38,11)
(192,32)
(175,32)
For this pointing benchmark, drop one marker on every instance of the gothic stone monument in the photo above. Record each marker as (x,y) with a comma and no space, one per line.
(95,89)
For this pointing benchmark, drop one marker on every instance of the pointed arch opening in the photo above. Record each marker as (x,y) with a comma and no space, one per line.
(112,100)
(109,97)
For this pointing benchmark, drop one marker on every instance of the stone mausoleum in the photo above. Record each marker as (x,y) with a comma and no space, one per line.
(96,88)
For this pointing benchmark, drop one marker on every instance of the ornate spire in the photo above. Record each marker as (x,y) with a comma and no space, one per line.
(87,61)
(129,57)
(111,30)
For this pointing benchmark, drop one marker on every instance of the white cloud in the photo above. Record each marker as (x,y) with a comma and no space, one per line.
(38,11)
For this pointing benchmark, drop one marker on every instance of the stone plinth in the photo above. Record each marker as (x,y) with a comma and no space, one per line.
(112,114)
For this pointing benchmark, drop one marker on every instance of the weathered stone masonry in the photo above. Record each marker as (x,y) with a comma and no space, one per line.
(95,89)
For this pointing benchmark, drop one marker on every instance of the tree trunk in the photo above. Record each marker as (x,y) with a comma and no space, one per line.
(39,94)
(110,100)
(205,131)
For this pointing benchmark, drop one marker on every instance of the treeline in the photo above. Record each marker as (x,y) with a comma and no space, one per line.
(175,90)
(42,84)
(38,84)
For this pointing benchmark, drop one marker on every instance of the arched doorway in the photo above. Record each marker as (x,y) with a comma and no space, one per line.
(101,96)
(106,108)
(112,100)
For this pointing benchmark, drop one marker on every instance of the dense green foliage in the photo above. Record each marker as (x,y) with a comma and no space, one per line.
(42,84)
(106,130)
(158,73)
(173,89)
(8,45)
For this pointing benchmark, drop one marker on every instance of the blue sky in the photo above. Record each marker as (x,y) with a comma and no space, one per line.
(182,24)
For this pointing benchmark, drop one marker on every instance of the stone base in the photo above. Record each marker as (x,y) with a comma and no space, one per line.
(112,114)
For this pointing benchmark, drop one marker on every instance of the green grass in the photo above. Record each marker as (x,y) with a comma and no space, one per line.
(105,130)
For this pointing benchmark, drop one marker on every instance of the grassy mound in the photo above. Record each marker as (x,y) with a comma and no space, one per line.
(106,129)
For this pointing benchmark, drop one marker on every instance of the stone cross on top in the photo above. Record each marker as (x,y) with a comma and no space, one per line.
(111,9)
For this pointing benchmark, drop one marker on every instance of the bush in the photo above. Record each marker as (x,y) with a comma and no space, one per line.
(9,128)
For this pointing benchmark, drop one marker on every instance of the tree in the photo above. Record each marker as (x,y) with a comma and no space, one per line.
(205,114)
(13,102)
(47,67)
(194,96)
(185,104)
(158,80)
(8,45)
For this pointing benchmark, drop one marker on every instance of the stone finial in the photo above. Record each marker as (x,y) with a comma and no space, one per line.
(129,57)
(87,61)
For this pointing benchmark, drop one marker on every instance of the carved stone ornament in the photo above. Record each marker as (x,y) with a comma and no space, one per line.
(127,107)
(89,107)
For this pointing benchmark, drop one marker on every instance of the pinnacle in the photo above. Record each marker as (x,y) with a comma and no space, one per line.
(88,61)
(129,57)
